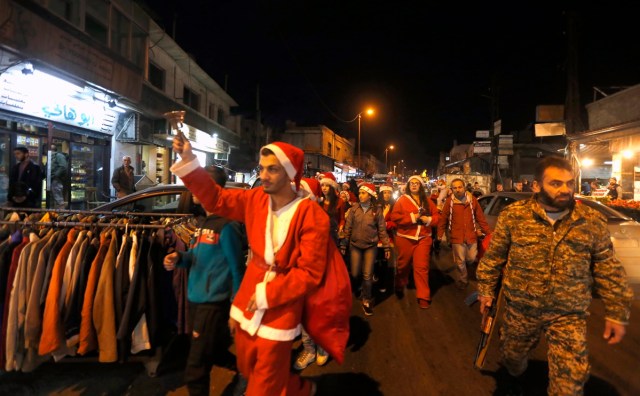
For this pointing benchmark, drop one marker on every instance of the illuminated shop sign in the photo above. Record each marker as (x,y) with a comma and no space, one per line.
(41,95)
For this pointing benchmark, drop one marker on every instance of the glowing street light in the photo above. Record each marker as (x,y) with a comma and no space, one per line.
(386,151)
(369,112)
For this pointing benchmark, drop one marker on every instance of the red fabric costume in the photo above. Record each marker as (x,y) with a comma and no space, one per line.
(279,276)
(413,243)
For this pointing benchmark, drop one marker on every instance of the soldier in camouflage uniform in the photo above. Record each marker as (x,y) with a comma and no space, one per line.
(553,254)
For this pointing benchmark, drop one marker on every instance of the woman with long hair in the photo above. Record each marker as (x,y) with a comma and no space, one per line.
(386,202)
(363,230)
(414,213)
(332,204)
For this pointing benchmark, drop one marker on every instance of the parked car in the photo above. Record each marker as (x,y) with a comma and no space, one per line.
(625,232)
(163,198)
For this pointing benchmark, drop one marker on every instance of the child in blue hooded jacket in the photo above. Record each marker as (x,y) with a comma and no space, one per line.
(216,265)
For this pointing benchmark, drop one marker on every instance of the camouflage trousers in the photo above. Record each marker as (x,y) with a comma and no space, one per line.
(566,336)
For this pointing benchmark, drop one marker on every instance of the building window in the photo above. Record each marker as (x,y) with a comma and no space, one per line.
(138,45)
(212,111)
(329,149)
(65,9)
(191,99)
(156,76)
(221,117)
(96,23)
(120,27)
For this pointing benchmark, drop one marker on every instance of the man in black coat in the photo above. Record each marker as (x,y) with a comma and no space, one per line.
(25,181)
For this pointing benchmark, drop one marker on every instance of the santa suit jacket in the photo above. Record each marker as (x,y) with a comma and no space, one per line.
(297,266)
(406,214)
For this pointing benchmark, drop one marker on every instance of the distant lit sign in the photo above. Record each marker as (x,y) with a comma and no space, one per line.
(550,129)
(480,147)
(482,134)
(505,145)
(497,128)
(34,96)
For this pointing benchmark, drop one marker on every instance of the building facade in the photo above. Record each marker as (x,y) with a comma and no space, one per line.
(80,74)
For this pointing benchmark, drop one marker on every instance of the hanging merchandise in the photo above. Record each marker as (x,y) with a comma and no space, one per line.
(81,283)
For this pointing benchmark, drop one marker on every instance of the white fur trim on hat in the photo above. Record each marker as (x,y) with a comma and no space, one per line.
(284,160)
(329,181)
(416,177)
(367,187)
(386,188)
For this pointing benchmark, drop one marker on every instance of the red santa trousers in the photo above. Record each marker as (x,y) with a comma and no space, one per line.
(418,252)
(266,366)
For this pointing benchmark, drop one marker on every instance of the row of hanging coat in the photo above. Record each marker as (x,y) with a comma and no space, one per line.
(88,285)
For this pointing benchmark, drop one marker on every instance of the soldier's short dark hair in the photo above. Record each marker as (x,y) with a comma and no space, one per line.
(217,174)
(22,149)
(457,179)
(550,162)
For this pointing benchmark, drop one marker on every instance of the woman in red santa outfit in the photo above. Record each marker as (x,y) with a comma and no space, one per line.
(290,251)
(414,213)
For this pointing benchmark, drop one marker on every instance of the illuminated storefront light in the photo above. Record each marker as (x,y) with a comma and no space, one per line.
(587,162)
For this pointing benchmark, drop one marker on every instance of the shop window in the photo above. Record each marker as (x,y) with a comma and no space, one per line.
(120,27)
(96,20)
(156,76)
(191,99)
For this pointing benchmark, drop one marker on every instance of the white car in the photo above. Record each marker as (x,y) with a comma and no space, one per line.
(625,232)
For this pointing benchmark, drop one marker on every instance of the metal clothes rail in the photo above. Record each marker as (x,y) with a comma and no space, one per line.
(90,212)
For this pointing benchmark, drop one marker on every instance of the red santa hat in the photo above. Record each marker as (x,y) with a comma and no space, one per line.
(370,188)
(386,187)
(416,178)
(330,179)
(291,158)
(312,186)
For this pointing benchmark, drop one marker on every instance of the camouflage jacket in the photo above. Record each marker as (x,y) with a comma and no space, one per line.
(555,267)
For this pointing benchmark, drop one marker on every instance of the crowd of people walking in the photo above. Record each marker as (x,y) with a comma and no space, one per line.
(306,235)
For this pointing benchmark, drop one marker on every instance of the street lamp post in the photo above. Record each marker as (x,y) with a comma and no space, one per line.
(386,161)
(369,112)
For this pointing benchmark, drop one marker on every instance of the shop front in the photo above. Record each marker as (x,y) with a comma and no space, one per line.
(148,143)
(37,109)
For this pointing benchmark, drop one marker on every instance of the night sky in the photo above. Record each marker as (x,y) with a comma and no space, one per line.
(432,74)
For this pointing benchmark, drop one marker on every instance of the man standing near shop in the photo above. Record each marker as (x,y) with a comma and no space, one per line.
(553,255)
(615,191)
(122,179)
(290,248)
(464,220)
(59,170)
(25,181)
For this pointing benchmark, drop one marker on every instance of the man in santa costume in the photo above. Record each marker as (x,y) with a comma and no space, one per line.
(288,236)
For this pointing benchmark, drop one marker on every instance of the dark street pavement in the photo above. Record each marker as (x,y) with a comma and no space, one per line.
(400,350)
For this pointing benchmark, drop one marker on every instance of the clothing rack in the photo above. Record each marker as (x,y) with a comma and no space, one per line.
(92,224)
(152,361)
(90,212)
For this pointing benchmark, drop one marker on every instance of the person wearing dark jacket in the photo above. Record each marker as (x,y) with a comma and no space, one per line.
(25,181)
(59,170)
(364,228)
(122,180)
(216,265)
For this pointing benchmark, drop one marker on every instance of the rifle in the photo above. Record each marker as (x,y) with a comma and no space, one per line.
(487,326)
